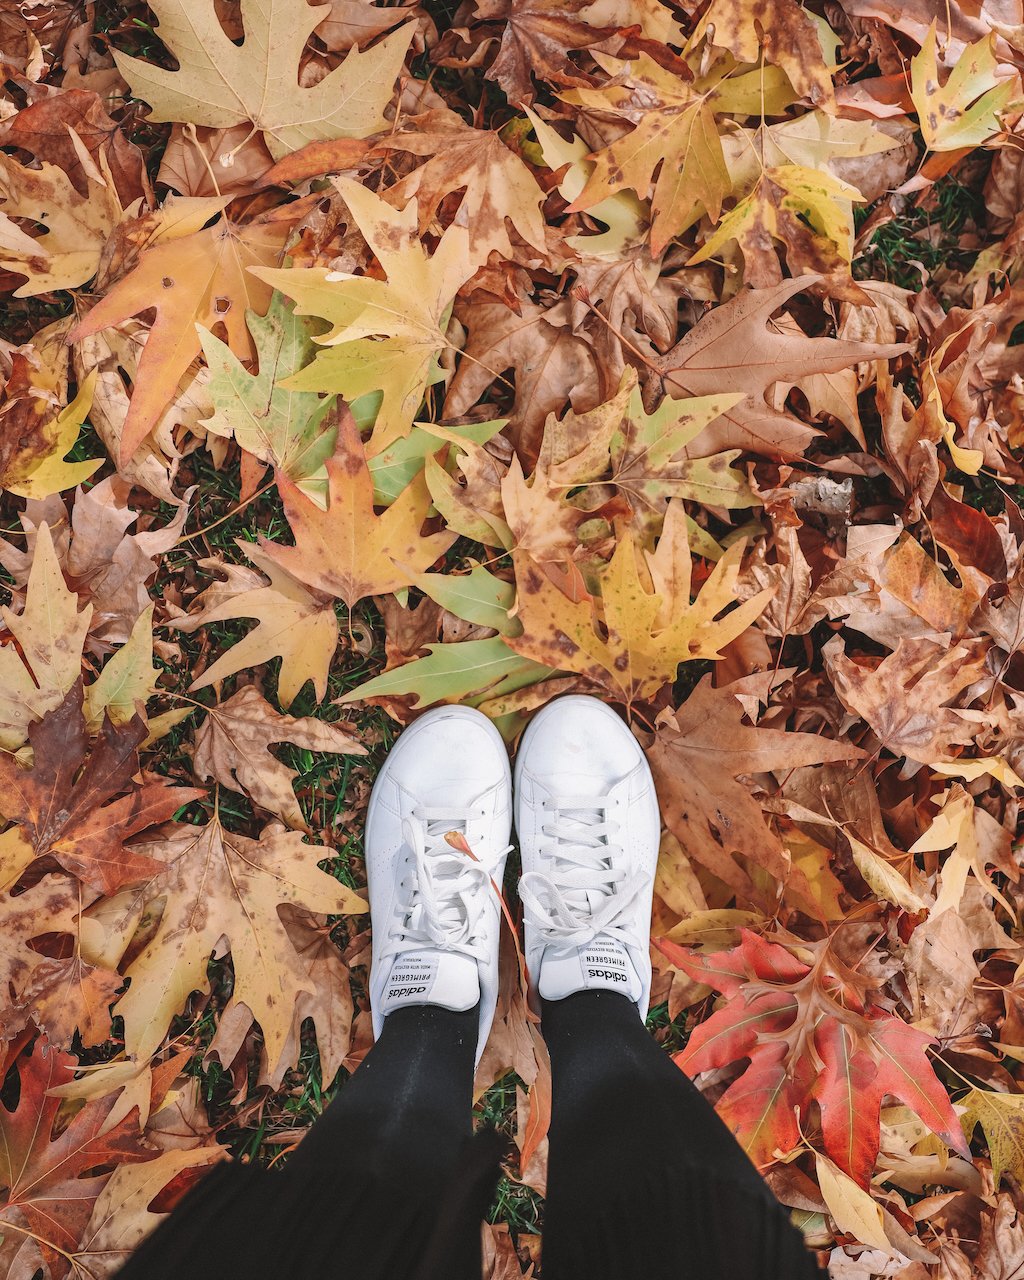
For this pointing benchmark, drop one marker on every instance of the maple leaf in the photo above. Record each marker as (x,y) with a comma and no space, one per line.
(809,1031)
(808,211)
(926,675)
(35,985)
(57,128)
(551,364)
(348,551)
(698,756)
(964,112)
(385,335)
(675,128)
(294,623)
(50,632)
(29,475)
(292,430)
(49,1191)
(64,806)
(220,885)
(222,83)
(498,185)
(648,623)
(780,31)
(233,747)
(77,226)
(199,278)
(736,345)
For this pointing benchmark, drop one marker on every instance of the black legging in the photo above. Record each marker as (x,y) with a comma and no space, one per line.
(644,1179)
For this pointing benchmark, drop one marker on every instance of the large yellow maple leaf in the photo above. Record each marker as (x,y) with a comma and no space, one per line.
(632,637)
(222,84)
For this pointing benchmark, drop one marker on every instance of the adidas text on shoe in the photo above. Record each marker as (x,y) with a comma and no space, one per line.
(588,828)
(434,909)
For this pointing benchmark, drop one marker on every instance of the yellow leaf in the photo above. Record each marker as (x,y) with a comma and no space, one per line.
(1001,1116)
(128,678)
(54,474)
(851,1207)
(882,878)
(633,636)
(385,335)
(222,83)
(963,112)
(51,633)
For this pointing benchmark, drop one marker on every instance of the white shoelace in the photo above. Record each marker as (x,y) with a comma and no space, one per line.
(445,891)
(586,895)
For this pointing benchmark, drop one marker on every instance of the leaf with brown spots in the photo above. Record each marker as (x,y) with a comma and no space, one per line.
(233,747)
(965,111)
(213,885)
(777,30)
(293,623)
(631,638)
(64,806)
(201,278)
(348,550)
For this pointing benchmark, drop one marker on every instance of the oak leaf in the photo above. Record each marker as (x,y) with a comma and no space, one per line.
(221,83)
(632,638)
(348,551)
(698,756)
(217,885)
(233,747)
(201,278)
(66,805)
(294,623)
(810,1031)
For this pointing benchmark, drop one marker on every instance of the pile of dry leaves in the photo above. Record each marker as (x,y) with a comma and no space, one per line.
(363,358)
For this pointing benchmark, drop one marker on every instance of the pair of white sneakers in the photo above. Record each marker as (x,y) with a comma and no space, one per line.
(586,815)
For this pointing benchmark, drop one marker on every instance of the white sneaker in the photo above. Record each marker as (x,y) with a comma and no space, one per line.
(435,911)
(588,827)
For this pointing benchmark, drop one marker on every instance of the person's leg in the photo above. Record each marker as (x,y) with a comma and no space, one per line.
(644,1179)
(388,1183)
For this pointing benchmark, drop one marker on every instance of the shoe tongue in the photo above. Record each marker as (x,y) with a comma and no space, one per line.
(429,976)
(602,965)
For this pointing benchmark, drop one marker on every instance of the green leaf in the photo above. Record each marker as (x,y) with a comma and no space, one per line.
(290,430)
(464,672)
(478,597)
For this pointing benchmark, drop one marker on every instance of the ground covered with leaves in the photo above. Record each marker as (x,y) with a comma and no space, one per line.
(361,358)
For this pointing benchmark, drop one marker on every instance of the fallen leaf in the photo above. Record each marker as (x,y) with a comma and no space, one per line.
(219,885)
(233,748)
(65,805)
(348,551)
(222,83)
